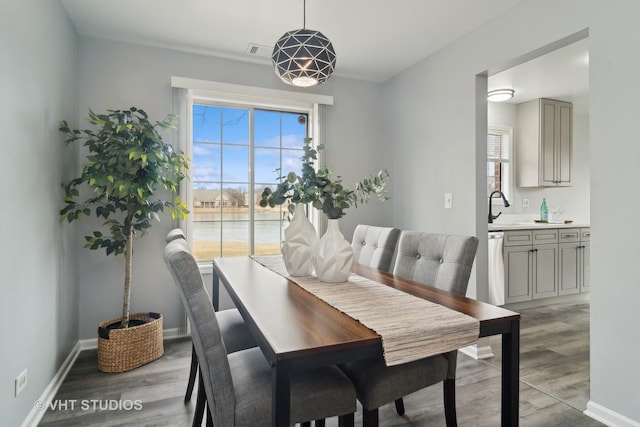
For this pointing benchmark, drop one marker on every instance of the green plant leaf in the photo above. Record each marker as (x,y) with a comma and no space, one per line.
(126,162)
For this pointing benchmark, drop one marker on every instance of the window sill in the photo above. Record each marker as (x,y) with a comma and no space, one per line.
(206,267)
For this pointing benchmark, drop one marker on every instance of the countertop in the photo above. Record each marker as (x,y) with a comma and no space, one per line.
(533,225)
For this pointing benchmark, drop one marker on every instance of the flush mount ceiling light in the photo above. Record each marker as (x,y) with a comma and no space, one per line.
(500,95)
(304,57)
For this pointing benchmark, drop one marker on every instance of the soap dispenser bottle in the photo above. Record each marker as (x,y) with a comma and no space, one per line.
(544,211)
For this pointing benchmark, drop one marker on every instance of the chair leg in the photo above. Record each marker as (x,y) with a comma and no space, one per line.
(192,374)
(209,418)
(347,420)
(449,388)
(400,406)
(369,418)
(201,400)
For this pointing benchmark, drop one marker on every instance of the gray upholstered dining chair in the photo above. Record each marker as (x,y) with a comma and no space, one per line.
(375,246)
(238,385)
(440,260)
(235,334)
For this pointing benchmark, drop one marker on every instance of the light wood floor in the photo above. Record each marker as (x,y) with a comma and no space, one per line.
(554,383)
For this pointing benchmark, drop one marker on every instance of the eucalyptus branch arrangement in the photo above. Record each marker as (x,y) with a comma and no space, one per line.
(127,162)
(323,188)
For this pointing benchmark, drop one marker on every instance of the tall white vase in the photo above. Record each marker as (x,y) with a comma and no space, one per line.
(299,239)
(333,255)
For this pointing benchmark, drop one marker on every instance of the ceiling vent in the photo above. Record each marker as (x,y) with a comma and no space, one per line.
(259,50)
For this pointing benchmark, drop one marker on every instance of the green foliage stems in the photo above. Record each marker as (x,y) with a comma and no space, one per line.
(322,189)
(127,162)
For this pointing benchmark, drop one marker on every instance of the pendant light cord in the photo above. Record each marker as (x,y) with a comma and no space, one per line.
(304,14)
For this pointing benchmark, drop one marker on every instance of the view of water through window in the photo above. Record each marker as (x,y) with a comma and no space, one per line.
(237,152)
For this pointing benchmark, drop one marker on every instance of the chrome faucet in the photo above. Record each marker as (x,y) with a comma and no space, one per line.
(506,205)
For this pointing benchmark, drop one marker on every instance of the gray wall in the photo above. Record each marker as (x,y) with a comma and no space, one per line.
(432,113)
(615,150)
(39,304)
(574,200)
(352,138)
(431,140)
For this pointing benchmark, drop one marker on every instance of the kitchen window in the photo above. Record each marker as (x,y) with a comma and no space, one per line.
(499,142)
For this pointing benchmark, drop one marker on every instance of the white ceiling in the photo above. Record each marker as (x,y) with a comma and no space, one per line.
(562,74)
(373,39)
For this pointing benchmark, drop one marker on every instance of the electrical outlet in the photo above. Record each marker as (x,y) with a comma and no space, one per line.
(525,203)
(21,382)
(448,200)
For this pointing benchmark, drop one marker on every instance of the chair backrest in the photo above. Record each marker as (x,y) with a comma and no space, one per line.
(175,233)
(440,260)
(205,332)
(374,246)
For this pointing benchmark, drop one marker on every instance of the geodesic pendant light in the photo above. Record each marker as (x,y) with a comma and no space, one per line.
(304,57)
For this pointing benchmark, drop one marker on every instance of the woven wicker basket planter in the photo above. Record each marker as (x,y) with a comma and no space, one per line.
(121,350)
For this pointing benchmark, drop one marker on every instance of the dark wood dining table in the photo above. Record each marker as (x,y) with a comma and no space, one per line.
(297,330)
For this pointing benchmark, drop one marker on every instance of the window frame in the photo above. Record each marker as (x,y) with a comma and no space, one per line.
(507,184)
(251,165)
(185,90)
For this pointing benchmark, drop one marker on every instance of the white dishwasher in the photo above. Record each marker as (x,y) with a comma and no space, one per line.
(496,268)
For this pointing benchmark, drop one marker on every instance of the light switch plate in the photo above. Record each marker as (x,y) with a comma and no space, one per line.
(20,382)
(448,200)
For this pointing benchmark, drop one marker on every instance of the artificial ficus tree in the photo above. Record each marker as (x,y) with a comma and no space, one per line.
(127,162)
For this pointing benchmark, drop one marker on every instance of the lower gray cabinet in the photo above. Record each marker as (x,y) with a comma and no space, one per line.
(518,273)
(545,281)
(531,264)
(575,260)
(585,283)
(544,263)
(569,268)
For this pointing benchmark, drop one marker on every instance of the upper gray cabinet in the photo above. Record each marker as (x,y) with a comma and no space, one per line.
(544,139)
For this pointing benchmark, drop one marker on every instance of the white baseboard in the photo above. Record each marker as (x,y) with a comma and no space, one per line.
(562,299)
(34,417)
(608,417)
(480,350)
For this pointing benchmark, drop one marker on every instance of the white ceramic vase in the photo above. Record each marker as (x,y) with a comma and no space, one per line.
(299,239)
(333,255)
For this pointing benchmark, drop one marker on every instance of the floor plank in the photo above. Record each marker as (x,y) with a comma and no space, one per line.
(554,383)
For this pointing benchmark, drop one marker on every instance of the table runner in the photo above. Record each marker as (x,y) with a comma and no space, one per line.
(411,328)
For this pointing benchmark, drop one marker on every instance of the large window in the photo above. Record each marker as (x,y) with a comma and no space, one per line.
(498,161)
(236,152)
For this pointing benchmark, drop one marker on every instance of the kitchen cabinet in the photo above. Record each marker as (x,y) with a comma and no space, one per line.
(518,274)
(531,264)
(544,143)
(575,259)
(585,283)
(546,262)
(545,281)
